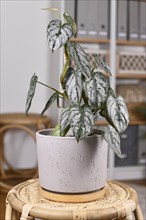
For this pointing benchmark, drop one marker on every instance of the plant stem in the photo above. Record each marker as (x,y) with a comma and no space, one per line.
(52,89)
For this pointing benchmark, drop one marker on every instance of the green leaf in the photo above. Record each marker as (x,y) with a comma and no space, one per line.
(58,34)
(71,21)
(79,56)
(64,119)
(50,101)
(81,121)
(117,112)
(102,64)
(113,139)
(31,92)
(96,89)
(73,85)
(56,131)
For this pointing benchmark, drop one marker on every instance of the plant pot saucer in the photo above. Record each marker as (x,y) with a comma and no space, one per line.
(72,198)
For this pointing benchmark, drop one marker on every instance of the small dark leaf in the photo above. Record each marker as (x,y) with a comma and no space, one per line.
(31,92)
(50,101)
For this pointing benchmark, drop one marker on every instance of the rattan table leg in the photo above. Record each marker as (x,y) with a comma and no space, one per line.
(15,215)
(8,213)
(138,213)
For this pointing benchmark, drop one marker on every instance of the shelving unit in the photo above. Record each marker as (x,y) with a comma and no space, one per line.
(127,172)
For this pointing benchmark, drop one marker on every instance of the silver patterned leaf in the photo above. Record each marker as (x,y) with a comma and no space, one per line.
(81,121)
(31,92)
(79,56)
(58,34)
(64,119)
(118,113)
(96,89)
(73,85)
(113,139)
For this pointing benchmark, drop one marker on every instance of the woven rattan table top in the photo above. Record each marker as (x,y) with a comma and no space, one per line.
(118,200)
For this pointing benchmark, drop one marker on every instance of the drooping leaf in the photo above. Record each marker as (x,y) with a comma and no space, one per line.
(79,56)
(50,101)
(73,85)
(81,121)
(118,113)
(71,21)
(102,64)
(113,139)
(96,89)
(31,92)
(64,119)
(58,34)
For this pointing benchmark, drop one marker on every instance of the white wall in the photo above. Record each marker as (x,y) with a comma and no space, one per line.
(24,50)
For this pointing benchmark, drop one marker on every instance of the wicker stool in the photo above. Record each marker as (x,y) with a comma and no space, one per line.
(24,123)
(24,202)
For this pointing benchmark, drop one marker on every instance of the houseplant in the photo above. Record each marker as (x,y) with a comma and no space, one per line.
(87,94)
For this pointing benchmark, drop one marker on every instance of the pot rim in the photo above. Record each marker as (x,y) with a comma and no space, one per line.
(41,133)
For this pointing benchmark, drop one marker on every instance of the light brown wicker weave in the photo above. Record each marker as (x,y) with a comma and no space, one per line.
(22,122)
(24,202)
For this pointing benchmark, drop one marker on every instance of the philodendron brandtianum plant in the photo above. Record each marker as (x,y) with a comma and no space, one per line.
(86,90)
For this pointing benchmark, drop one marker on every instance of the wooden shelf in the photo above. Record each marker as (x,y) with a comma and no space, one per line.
(90,40)
(130,76)
(131,43)
(107,41)
(137,122)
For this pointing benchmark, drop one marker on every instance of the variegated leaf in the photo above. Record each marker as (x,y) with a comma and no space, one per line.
(64,119)
(96,89)
(79,56)
(118,113)
(113,139)
(31,92)
(50,101)
(81,121)
(58,34)
(102,64)
(73,85)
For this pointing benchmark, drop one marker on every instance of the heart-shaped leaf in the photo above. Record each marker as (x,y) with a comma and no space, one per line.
(50,101)
(73,85)
(58,34)
(118,113)
(113,139)
(79,56)
(81,121)
(96,89)
(31,92)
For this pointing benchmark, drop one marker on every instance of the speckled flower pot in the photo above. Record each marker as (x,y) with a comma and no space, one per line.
(66,166)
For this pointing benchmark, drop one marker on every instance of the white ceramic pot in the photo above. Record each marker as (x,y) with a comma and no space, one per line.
(66,166)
